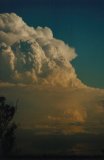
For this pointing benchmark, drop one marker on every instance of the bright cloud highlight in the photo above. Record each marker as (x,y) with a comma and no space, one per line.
(34,56)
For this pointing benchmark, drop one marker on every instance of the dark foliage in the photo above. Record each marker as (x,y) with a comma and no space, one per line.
(7,126)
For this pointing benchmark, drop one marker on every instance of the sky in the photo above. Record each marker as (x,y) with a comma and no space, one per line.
(48,70)
(79,23)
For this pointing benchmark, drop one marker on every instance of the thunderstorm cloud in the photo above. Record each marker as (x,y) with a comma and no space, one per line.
(31,59)
(34,56)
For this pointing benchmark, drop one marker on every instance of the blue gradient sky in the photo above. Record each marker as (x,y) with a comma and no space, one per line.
(80,23)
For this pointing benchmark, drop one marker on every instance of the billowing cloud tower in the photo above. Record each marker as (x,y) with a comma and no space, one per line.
(34,56)
(30,60)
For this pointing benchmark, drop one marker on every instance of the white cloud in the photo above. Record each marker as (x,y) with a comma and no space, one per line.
(30,60)
(30,55)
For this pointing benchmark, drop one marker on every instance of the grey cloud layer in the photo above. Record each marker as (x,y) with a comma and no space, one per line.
(34,56)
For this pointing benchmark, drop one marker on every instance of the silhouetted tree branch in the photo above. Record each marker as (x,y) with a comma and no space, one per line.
(7,126)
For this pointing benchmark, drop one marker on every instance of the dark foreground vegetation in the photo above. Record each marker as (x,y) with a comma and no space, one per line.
(7,127)
(55,157)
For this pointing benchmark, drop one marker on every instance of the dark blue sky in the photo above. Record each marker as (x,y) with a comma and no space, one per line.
(80,23)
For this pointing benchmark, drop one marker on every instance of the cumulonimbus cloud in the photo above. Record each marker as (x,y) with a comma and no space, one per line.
(34,56)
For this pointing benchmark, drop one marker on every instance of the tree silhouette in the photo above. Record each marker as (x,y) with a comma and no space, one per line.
(7,126)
